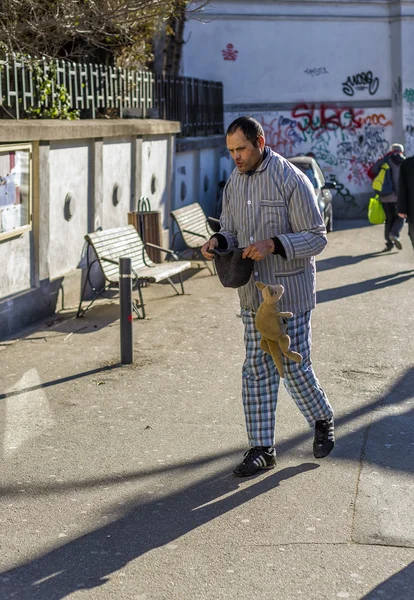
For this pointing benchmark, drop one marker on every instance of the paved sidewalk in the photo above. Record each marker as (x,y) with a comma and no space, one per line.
(116,480)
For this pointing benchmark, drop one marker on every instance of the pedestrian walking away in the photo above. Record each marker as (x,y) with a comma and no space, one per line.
(389,166)
(405,201)
(270,210)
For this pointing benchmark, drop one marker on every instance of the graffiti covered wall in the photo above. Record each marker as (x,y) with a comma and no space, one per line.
(312,73)
(345,142)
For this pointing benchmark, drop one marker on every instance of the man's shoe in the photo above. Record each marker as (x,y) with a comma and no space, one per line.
(388,247)
(396,240)
(256,459)
(324,439)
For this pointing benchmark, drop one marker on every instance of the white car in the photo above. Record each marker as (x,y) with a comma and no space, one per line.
(312,170)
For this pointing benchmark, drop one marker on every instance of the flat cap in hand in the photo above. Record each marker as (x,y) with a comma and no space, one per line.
(232,270)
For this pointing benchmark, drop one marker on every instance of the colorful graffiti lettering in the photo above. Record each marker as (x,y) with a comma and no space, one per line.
(374,119)
(345,141)
(409,95)
(361,82)
(281,134)
(325,117)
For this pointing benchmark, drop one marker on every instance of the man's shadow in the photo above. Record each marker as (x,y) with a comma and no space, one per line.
(88,561)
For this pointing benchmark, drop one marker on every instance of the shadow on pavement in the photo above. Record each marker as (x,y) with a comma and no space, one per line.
(325,264)
(362,287)
(47,384)
(344,224)
(88,561)
(398,587)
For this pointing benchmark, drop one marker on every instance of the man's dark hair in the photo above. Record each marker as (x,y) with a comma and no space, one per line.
(251,129)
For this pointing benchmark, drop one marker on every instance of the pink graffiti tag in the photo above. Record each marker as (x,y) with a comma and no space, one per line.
(229,53)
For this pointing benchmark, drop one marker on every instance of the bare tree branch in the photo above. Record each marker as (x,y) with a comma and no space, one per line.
(123,29)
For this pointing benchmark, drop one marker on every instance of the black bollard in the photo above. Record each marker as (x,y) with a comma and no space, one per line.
(125,309)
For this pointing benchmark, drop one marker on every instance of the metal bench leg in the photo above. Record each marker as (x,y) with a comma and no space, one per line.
(82,311)
(172,283)
(138,305)
(182,283)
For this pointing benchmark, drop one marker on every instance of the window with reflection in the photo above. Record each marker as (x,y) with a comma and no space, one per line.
(15,188)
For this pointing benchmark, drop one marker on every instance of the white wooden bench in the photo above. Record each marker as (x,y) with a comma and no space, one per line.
(112,244)
(194,228)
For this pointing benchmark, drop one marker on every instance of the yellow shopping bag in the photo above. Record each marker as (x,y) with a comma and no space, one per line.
(376,213)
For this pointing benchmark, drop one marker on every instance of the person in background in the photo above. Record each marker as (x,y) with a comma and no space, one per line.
(405,196)
(388,196)
(270,210)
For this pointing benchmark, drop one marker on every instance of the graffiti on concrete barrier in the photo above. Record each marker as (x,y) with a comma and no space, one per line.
(361,82)
(365,147)
(325,117)
(358,172)
(374,119)
(345,141)
(230,53)
(409,95)
(397,92)
(409,140)
(345,196)
(281,133)
(317,71)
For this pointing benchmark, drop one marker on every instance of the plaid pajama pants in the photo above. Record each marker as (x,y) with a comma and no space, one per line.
(261,380)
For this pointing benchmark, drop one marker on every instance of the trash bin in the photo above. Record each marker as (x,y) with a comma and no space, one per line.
(148,224)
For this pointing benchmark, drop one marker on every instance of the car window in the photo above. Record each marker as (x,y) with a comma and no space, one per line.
(309,172)
(311,175)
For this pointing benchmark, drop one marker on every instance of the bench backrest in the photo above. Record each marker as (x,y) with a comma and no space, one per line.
(192,223)
(116,243)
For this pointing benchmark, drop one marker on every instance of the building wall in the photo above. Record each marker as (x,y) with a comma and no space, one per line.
(105,173)
(116,177)
(69,174)
(332,78)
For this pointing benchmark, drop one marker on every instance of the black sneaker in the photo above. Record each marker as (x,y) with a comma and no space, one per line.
(396,240)
(324,439)
(388,247)
(256,459)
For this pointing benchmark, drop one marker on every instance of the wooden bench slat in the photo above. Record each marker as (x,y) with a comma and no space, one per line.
(192,220)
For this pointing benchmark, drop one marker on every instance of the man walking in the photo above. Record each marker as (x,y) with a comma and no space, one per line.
(405,201)
(392,161)
(269,208)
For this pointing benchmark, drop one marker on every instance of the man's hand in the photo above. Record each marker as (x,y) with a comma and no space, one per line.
(213,243)
(402,215)
(259,250)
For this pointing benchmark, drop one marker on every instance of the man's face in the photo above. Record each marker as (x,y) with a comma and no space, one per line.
(246,156)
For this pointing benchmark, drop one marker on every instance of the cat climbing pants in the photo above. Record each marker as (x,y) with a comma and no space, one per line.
(260,383)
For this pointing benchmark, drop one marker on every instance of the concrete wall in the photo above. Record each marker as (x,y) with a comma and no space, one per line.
(197,171)
(104,168)
(333,78)
(69,174)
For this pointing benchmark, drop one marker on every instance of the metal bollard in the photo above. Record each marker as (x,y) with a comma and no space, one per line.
(125,308)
